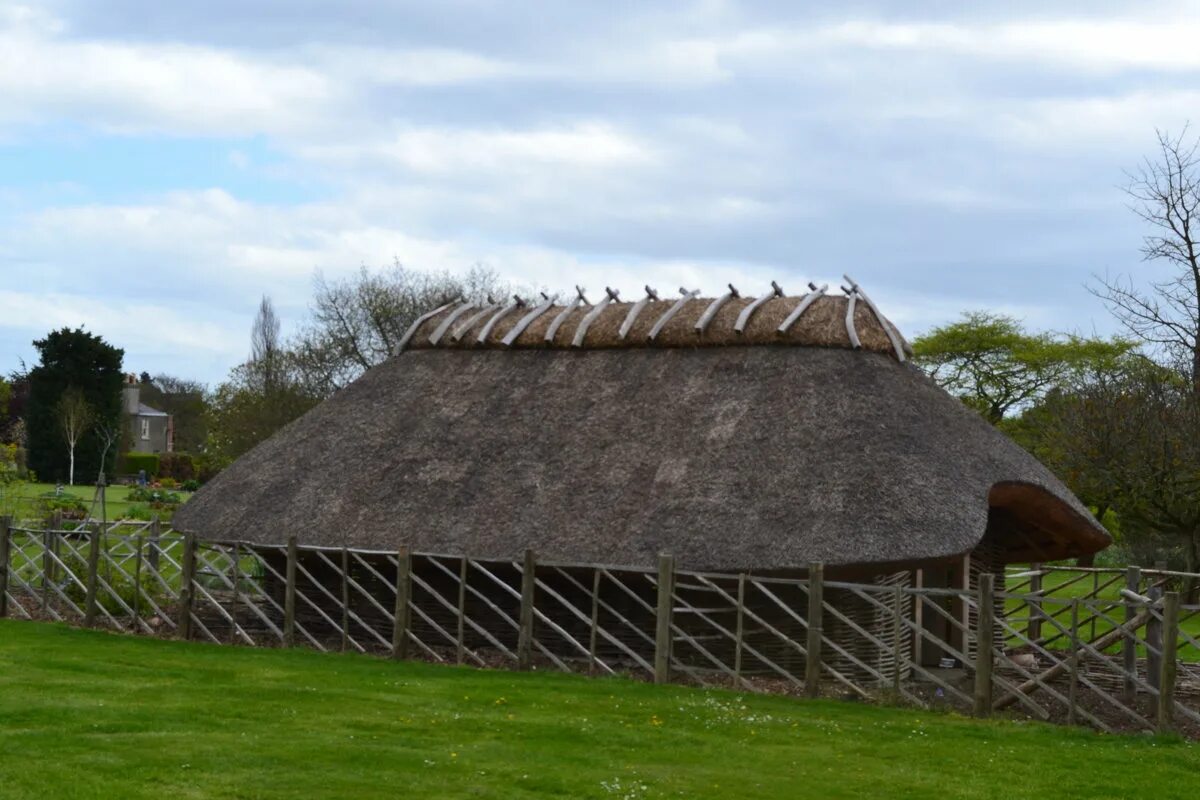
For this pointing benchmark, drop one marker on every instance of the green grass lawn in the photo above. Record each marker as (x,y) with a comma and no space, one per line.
(22,505)
(1064,586)
(94,715)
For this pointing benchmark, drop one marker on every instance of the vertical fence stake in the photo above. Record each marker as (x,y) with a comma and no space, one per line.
(137,582)
(403,593)
(812,656)
(345,599)
(662,618)
(525,630)
(155,534)
(5,526)
(595,621)
(47,565)
(462,611)
(187,576)
(93,576)
(1073,686)
(1168,666)
(897,649)
(740,633)
(1133,582)
(1154,640)
(918,614)
(236,569)
(984,636)
(1033,628)
(289,594)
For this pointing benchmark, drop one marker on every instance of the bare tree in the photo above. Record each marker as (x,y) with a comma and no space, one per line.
(356,323)
(266,352)
(109,433)
(74,417)
(1165,192)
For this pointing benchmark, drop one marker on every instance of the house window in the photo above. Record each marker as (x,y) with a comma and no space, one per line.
(145,429)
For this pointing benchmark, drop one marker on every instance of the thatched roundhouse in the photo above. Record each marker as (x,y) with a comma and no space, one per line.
(734,434)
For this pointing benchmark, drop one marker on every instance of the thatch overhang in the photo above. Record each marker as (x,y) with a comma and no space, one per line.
(765,454)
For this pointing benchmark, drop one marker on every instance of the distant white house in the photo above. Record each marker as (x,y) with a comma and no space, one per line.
(150,430)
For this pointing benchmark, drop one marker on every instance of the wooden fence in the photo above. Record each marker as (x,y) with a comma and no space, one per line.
(1112,650)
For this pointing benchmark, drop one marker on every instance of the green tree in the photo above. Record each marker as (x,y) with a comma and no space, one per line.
(91,365)
(997,367)
(259,397)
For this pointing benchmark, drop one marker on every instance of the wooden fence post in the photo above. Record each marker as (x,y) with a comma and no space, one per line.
(595,621)
(289,594)
(235,567)
(461,642)
(662,618)
(1033,628)
(1168,667)
(1133,582)
(897,649)
(5,528)
(525,621)
(1154,640)
(345,599)
(93,576)
(984,635)
(187,575)
(137,582)
(403,593)
(47,565)
(739,640)
(816,606)
(1073,686)
(155,536)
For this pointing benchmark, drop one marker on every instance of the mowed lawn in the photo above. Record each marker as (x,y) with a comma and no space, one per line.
(94,715)
(116,498)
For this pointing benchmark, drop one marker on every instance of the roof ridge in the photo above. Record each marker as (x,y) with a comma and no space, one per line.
(814,318)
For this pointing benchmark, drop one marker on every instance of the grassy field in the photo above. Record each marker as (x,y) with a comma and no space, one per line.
(93,715)
(23,506)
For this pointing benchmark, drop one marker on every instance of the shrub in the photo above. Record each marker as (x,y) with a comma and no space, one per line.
(133,463)
(68,505)
(190,485)
(168,483)
(157,498)
(176,466)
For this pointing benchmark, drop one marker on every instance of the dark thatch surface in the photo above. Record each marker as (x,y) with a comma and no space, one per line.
(760,458)
(823,324)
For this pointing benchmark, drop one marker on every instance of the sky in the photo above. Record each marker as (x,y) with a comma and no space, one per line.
(164,165)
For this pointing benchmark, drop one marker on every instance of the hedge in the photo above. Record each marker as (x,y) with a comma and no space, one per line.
(133,463)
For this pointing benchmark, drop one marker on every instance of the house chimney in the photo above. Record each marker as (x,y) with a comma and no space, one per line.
(130,395)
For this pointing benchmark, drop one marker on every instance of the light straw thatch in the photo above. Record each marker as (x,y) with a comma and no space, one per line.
(823,324)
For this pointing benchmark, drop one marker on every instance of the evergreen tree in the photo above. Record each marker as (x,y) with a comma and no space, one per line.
(83,361)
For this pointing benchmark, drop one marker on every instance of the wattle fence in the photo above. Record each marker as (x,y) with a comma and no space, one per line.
(1116,650)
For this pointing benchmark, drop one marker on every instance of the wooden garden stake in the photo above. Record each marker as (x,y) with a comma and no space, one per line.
(403,593)
(155,534)
(289,594)
(1168,666)
(236,569)
(984,634)
(525,621)
(662,618)
(812,657)
(1034,626)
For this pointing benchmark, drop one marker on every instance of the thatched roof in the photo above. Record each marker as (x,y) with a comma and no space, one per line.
(759,457)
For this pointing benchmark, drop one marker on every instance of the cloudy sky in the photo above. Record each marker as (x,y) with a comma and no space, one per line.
(162,165)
